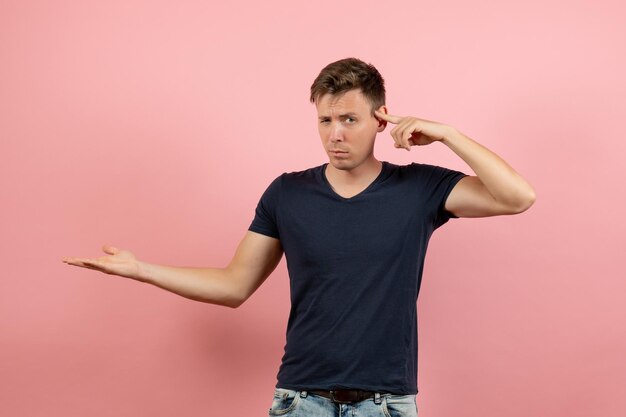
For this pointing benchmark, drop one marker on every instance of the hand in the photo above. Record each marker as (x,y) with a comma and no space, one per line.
(412,131)
(120,262)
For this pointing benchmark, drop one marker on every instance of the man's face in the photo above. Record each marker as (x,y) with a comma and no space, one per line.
(347,128)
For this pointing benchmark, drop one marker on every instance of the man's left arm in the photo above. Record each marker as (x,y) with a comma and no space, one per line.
(496,189)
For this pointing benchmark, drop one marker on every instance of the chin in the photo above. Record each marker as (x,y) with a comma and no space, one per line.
(342,165)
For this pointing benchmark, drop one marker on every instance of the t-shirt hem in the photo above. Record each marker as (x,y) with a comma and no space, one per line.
(328,387)
(453,184)
(263,231)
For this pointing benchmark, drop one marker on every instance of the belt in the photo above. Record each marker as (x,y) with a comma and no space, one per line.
(345,396)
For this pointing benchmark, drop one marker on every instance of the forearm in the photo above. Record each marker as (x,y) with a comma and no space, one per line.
(209,285)
(503,183)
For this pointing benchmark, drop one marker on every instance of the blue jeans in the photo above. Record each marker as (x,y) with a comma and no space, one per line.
(290,403)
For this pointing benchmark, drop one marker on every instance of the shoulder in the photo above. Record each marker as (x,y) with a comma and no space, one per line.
(424,168)
(416,169)
(296,178)
(427,170)
(309,175)
(425,176)
(412,167)
(306,173)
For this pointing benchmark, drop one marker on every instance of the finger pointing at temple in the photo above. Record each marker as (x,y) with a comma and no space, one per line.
(388,117)
(399,133)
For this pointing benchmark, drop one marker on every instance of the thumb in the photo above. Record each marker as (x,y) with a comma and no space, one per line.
(111,250)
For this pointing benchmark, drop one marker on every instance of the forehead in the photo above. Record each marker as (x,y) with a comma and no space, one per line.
(350,101)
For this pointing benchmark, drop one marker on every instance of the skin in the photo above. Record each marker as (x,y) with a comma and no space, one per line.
(348,127)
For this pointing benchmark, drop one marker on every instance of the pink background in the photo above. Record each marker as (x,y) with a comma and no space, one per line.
(155,126)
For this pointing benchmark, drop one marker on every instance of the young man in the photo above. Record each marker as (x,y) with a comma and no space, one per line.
(354,232)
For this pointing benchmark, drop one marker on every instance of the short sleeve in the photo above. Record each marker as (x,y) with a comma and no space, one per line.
(440,182)
(265,219)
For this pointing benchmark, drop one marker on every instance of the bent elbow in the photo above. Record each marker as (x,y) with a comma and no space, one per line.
(235,302)
(228,295)
(234,299)
(232,293)
(524,203)
(237,296)
(232,305)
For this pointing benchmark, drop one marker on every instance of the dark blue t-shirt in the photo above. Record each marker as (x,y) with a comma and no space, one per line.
(355,267)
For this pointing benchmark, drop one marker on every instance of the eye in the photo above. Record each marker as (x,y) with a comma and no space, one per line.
(350,120)
(324,121)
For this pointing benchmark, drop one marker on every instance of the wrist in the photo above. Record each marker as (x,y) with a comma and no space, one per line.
(144,272)
(450,135)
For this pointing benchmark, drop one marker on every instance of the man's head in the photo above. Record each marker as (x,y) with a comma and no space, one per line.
(346,93)
(350,74)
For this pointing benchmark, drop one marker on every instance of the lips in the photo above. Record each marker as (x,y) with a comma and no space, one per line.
(338,154)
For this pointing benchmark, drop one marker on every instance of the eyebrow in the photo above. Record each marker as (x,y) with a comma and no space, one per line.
(341,116)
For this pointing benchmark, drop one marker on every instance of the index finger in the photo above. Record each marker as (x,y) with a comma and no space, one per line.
(388,117)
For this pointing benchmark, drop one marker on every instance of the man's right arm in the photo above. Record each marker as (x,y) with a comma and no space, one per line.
(255,258)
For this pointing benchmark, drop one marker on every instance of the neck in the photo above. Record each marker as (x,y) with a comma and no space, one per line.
(366,172)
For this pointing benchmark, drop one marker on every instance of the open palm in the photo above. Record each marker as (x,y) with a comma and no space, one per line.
(117,262)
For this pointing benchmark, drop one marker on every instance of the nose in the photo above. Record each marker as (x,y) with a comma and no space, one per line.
(336,133)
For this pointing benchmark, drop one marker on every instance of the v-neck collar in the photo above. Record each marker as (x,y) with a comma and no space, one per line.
(329,187)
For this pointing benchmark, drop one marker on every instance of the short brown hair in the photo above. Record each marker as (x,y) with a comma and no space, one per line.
(349,74)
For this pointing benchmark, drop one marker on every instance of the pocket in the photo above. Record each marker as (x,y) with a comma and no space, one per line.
(399,405)
(284,401)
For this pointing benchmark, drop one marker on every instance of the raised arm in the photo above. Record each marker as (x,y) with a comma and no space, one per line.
(255,258)
(496,189)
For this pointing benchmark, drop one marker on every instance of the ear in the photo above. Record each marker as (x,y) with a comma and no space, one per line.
(382,124)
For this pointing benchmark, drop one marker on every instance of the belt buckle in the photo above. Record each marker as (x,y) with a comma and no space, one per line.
(344,396)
